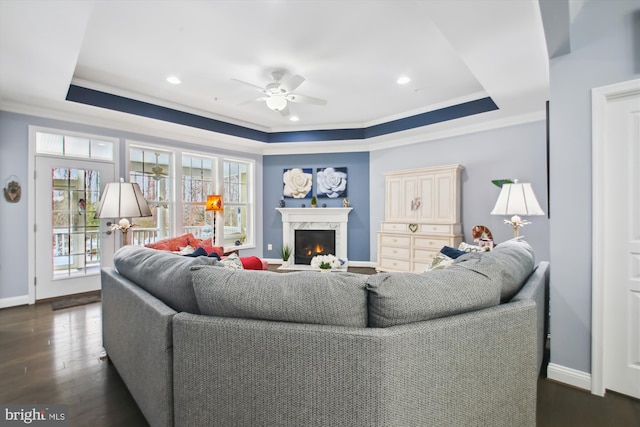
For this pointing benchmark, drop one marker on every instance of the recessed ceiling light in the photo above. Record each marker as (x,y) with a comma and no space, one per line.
(173,80)
(294,118)
(403,80)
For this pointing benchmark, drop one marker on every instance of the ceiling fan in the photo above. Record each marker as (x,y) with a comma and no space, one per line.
(278,93)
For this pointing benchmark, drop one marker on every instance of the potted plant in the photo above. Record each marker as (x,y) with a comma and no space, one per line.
(314,201)
(285,254)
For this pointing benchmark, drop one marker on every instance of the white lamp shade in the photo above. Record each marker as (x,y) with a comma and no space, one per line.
(122,199)
(517,199)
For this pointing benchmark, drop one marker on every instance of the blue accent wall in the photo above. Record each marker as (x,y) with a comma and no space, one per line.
(357,165)
(145,109)
(127,105)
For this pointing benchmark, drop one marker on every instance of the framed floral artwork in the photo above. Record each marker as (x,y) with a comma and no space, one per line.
(297,183)
(332,182)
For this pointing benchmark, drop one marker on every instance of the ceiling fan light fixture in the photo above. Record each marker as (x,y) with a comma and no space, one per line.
(276,103)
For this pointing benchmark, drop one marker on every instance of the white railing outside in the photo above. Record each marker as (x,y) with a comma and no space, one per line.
(142,236)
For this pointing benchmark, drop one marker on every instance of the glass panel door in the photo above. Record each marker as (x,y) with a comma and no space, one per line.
(70,243)
(75,233)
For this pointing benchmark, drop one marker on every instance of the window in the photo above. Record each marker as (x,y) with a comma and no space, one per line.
(238,203)
(180,208)
(197,183)
(152,170)
(73,146)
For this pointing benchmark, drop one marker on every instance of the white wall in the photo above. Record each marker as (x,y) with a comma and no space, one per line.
(509,152)
(605,50)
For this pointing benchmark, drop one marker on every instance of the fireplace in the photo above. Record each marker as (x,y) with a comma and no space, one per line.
(309,243)
(330,220)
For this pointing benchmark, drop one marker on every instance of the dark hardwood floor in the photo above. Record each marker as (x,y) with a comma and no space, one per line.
(53,357)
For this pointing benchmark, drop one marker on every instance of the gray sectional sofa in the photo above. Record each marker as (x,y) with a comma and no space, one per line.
(198,344)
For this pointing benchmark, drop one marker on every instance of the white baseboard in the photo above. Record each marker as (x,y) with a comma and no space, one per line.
(14,301)
(569,376)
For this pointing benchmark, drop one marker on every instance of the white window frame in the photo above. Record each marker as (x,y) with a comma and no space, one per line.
(172,192)
(176,226)
(250,240)
(215,176)
(31,186)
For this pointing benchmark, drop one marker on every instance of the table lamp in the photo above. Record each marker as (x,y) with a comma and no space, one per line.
(122,200)
(517,199)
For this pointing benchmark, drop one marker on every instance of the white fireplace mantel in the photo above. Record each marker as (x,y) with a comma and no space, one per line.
(316,219)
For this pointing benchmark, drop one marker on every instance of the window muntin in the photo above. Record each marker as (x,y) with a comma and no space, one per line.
(197,176)
(76,233)
(238,221)
(152,170)
(74,146)
(198,179)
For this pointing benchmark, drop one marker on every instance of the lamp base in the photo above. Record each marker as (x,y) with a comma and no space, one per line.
(516,222)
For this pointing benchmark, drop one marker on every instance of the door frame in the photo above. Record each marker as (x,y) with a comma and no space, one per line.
(600,97)
(31,190)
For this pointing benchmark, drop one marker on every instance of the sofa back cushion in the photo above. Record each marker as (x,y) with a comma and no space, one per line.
(302,297)
(400,298)
(510,263)
(165,275)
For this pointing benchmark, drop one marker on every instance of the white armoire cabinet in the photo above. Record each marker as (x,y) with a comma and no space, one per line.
(422,214)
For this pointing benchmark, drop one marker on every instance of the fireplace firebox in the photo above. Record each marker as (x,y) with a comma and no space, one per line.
(309,243)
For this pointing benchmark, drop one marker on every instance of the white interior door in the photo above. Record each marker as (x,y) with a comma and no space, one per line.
(622,245)
(70,245)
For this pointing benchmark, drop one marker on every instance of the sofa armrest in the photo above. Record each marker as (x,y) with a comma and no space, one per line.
(472,369)
(138,337)
(536,289)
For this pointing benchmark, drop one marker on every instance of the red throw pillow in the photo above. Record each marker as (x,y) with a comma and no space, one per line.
(251,263)
(194,242)
(172,244)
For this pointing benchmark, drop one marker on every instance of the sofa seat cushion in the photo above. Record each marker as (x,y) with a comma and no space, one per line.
(165,275)
(401,298)
(510,263)
(302,297)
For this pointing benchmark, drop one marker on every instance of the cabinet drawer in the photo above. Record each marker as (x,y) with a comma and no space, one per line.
(394,264)
(401,241)
(420,266)
(441,228)
(394,226)
(430,242)
(390,251)
(425,255)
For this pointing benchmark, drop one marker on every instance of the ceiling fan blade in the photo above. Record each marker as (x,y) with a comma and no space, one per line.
(251,85)
(292,83)
(303,99)
(285,111)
